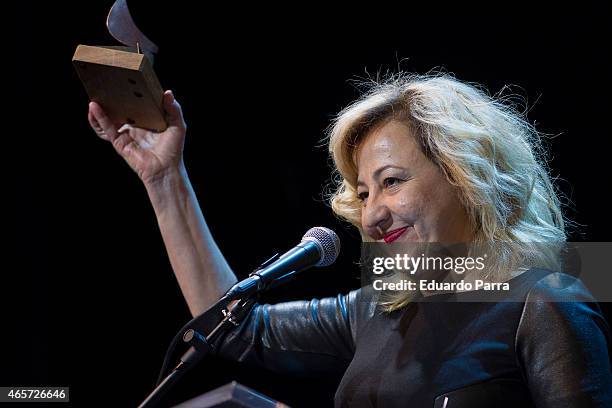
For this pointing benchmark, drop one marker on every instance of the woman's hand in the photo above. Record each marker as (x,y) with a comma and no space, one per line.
(200,268)
(150,154)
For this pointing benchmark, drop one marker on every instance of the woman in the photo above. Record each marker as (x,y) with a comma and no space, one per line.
(420,159)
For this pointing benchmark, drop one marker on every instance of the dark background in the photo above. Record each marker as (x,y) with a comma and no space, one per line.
(89,299)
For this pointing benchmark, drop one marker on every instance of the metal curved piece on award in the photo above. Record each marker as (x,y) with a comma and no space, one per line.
(121,78)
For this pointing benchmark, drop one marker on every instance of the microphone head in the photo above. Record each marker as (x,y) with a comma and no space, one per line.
(327,241)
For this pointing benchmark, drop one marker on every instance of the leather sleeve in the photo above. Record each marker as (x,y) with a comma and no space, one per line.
(312,338)
(562,345)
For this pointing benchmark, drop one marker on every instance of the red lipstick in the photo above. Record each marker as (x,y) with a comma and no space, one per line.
(395,234)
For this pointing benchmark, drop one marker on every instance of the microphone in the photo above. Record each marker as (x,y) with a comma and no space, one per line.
(320,246)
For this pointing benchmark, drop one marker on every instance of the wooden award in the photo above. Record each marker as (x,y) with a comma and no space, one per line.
(121,78)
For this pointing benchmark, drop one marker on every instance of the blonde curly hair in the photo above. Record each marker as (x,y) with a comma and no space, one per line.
(483,145)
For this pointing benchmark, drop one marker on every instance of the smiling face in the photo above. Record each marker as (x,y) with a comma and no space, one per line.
(403,191)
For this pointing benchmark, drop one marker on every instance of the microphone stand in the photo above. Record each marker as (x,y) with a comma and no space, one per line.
(200,345)
(233,307)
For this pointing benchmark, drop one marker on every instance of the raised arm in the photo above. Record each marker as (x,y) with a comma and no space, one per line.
(202,272)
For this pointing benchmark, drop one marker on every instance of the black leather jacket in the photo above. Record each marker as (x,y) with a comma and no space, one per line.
(548,350)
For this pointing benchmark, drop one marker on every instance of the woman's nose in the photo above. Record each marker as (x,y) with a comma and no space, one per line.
(376,218)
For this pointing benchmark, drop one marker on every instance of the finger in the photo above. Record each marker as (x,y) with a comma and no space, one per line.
(124,138)
(125,128)
(174,113)
(144,138)
(136,139)
(127,147)
(95,125)
(101,123)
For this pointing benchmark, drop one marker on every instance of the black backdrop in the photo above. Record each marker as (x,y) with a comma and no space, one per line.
(89,299)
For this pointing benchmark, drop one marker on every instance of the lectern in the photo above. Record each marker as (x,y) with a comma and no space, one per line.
(232,395)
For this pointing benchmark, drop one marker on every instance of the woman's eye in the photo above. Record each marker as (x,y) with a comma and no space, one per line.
(391,181)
